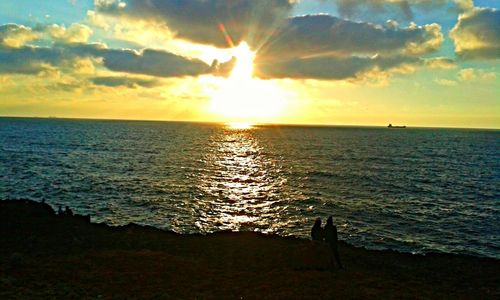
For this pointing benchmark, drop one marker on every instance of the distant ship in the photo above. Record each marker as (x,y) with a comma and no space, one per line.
(390,126)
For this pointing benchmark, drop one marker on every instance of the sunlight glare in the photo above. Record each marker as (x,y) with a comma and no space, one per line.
(244,62)
(244,99)
(237,125)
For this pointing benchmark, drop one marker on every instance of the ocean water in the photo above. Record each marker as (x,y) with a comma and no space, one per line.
(413,190)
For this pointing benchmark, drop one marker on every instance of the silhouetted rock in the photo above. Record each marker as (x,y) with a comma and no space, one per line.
(46,256)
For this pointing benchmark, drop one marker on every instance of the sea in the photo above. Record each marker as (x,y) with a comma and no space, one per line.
(416,190)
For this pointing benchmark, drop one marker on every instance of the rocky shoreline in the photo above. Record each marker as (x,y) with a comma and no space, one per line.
(43,255)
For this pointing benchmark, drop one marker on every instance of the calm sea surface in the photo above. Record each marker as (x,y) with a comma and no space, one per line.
(412,190)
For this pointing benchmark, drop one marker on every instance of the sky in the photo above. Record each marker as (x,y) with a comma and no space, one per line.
(432,63)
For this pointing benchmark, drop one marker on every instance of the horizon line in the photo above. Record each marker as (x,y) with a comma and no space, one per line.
(252,123)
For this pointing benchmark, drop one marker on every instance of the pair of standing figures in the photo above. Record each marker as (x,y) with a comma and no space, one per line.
(327,234)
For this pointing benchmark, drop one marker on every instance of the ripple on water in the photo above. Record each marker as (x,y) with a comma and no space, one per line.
(414,190)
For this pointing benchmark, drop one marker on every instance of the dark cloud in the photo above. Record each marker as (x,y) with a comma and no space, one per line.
(198,20)
(326,47)
(28,60)
(477,34)
(116,81)
(70,43)
(313,46)
(310,46)
(153,62)
(31,60)
(320,35)
(398,9)
(337,68)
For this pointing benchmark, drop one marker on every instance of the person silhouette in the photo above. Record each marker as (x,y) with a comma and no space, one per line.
(331,237)
(68,211)
(317,233)
(60,211)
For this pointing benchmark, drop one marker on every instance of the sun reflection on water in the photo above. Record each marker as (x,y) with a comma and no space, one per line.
(239,188)
(239,125)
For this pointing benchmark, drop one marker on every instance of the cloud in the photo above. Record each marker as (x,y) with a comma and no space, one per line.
(131,82)
(477,34)
(440,63)
(468,75)
(403,9)
(28,60)
(69,49)
(76,33)
(97,20)
(198,20)
(83,66)
(322,34)
(464,5)
(32,60)
(398,9)
(110,5)
(326,47)
(298,45)
(471,74)
(153,62)
(337,68)
(15,36)
(309,46)
(446,82)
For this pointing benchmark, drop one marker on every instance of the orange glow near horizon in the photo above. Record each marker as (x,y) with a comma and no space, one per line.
(243,99)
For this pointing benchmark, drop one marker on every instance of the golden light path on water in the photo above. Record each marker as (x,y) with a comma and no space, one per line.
(241,186)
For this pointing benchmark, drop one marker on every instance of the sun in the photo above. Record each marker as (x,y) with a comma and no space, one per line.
(241,98)
(243,69)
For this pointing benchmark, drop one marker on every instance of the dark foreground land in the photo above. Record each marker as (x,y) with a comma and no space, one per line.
(46,256)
